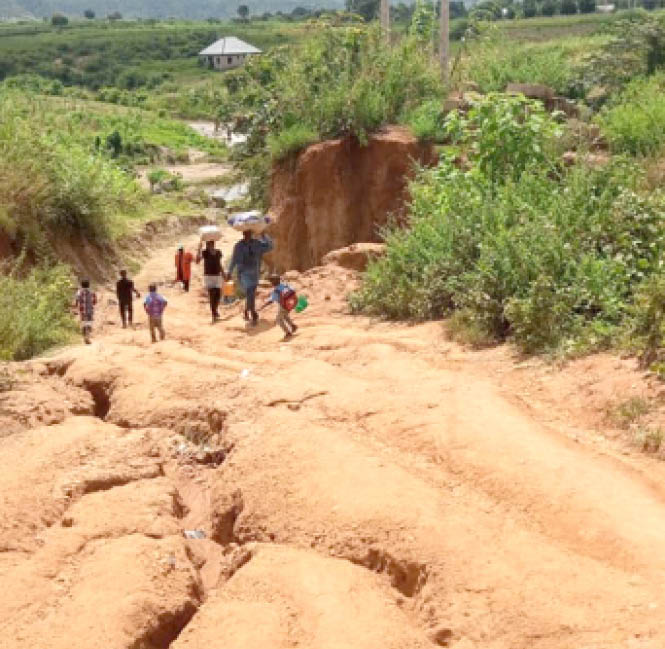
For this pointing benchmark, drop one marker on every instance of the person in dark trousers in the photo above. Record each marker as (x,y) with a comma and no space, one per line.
(246,258)
(125,291)
(283,316)
(183,265)
(154,306)
(212,275)
(86,301)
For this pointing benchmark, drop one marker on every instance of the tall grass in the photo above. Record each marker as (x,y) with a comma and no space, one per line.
(33,312)
(494,60)
(51,181)
(634,122)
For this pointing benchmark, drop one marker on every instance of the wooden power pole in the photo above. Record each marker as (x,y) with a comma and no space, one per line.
(385,19)
(444,42)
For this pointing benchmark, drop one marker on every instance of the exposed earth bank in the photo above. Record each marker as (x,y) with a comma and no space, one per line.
(364,485)
(338,192)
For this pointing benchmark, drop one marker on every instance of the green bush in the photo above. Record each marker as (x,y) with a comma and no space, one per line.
(645,328)
(52,180)
(517,246)
(494,61)
(34,314)
(633,123)
(341,81)
(291,140)
(427,121)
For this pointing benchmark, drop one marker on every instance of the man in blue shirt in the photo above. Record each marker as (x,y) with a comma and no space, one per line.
(246,258)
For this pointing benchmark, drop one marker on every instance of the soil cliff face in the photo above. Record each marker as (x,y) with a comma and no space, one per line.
(338,192)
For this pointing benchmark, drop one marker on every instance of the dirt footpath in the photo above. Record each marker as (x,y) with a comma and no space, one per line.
(364,485)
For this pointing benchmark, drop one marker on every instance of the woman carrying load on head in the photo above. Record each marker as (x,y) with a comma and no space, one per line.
(246,258)
(212,274)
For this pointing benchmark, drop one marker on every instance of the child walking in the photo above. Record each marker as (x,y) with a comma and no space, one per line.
(86,301)
(154,306)
(286,299)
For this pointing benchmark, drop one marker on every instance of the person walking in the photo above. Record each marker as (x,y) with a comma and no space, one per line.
(154,306)
(285,298)
(125,291)
(212,275)
(247,254)
(86,301)
(183,265)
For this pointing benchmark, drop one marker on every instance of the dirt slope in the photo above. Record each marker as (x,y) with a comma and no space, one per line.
(365,485)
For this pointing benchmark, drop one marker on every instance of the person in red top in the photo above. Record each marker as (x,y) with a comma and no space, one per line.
(183,266)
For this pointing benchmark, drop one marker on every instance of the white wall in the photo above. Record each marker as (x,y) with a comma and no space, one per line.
(227,62)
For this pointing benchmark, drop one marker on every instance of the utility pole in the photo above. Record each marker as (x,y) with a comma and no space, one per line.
(385,19)
(444,31)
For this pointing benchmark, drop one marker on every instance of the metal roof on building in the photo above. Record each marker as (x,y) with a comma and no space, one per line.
(229,45)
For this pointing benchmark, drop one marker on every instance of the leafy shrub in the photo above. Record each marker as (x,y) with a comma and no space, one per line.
(34,312)
(427,121)
(291,140)
(645,329)
(516,245)
(634,46)
(634,122)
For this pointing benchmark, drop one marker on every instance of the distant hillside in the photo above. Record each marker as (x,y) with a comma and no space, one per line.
(195,9)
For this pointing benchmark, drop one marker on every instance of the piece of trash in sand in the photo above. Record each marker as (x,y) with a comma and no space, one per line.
(245,373)
(194,534)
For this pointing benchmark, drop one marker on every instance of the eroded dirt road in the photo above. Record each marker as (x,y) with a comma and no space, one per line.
(362,486)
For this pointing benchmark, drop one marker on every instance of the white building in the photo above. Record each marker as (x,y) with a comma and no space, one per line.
(227,53)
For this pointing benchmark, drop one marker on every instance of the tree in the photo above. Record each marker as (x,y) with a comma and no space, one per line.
(549,7)
(89,14)
(444,38)
(587,6)
(368,9)
(530,9)
(116,15)
(568,7)
(457,9)
(243,12)
(58,20)
(423,21)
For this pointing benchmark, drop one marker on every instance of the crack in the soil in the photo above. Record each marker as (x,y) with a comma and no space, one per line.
(100,391)
(296,402)
(408,577)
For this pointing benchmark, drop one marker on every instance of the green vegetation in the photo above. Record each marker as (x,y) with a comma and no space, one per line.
(627,412)
(34,313)
(128,56)
(51,180)
(633,123)
(340,81)
(516,245)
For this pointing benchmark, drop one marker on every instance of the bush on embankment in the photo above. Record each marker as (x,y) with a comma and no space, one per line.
(53,185)
(34,314)
(53,182)
(341,81)
(516,246)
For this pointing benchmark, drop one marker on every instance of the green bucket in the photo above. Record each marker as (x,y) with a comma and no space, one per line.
(302,303)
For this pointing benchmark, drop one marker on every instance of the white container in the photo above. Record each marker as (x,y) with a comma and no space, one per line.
(254,221)
(210,233)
